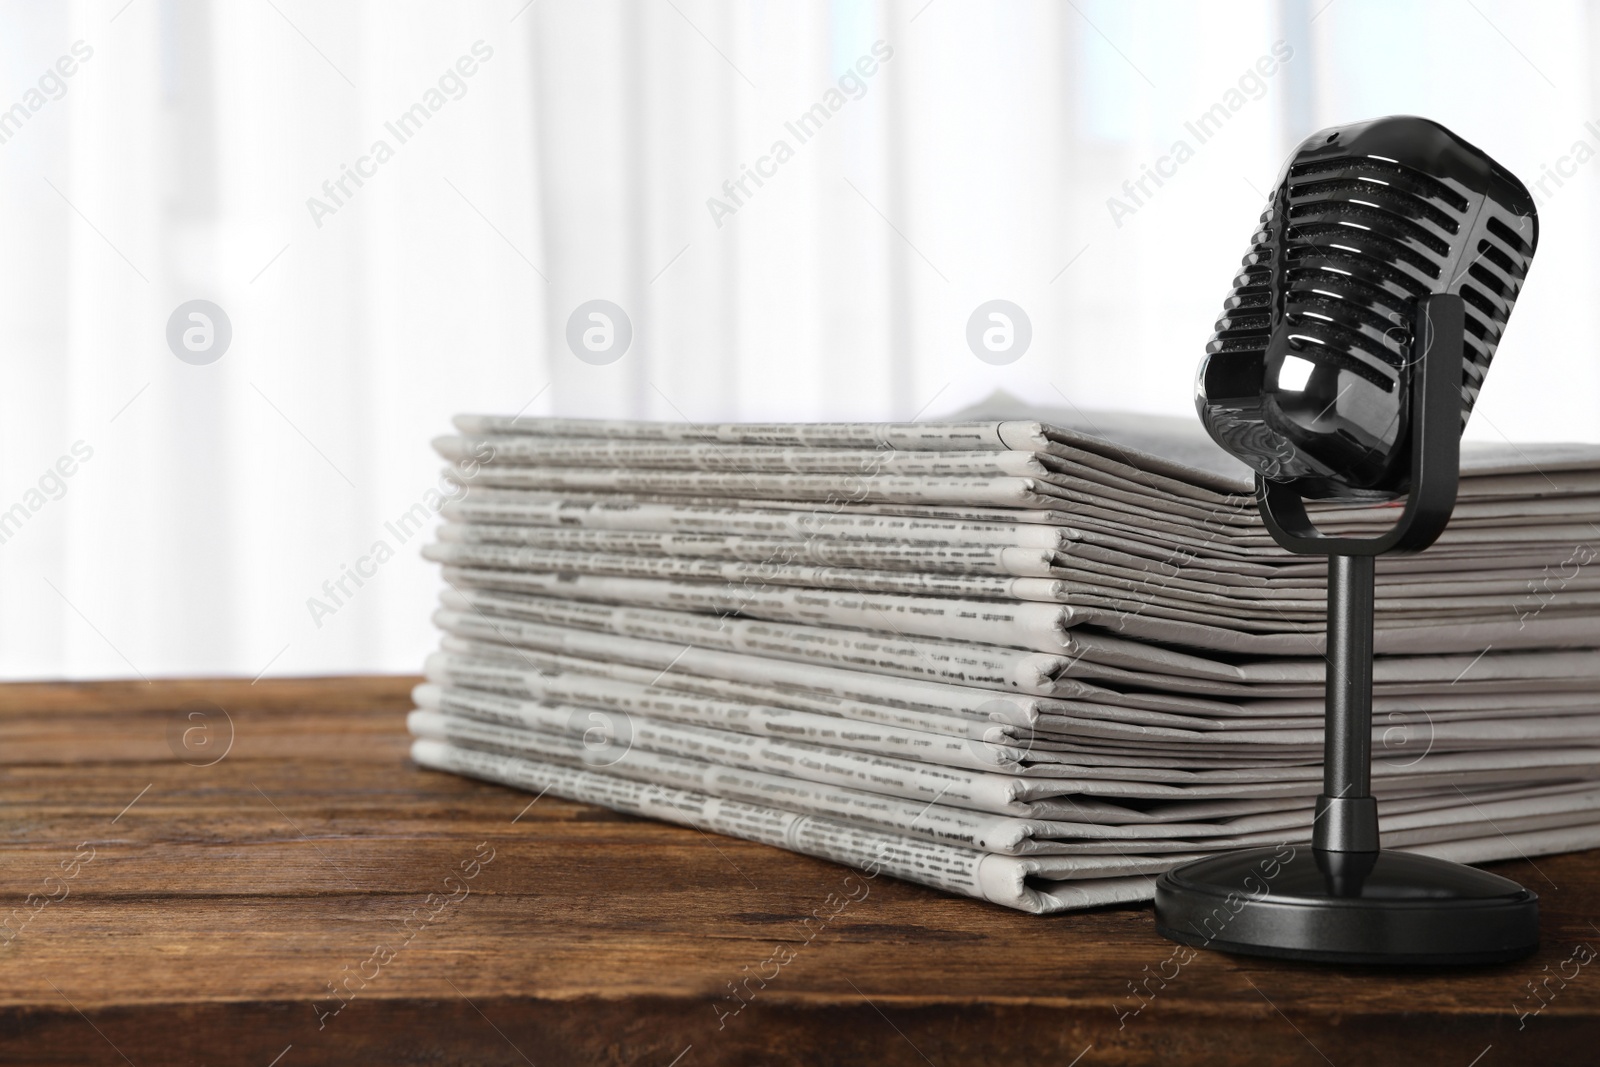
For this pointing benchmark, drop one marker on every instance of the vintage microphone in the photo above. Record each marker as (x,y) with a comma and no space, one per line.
(1346,362)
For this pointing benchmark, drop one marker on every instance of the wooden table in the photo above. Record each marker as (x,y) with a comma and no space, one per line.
(195,901)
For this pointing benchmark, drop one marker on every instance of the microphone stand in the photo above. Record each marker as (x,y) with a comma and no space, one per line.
(1346,900)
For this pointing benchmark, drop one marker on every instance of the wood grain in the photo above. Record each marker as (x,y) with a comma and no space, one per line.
(222,900)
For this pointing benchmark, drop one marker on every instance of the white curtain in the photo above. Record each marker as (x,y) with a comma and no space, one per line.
(246,515)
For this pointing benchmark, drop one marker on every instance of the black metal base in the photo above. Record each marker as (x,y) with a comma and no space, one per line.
(1295,902)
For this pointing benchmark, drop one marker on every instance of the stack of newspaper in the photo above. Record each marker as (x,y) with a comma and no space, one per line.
(1032,662)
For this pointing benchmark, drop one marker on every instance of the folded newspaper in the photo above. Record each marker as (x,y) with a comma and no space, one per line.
(1032,660)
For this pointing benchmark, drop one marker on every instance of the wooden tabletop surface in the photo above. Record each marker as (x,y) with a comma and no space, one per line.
(219,872)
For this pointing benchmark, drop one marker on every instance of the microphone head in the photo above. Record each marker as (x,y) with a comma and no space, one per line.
(1307,377)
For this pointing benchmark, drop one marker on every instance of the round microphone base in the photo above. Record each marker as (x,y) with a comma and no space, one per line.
(1299,903)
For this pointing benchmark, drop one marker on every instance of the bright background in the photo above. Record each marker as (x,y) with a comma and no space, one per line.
(976,164)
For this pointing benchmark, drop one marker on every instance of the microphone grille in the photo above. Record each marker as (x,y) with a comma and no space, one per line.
(1364,220)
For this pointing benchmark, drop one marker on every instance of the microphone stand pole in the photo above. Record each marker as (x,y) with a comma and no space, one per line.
(1347,815)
